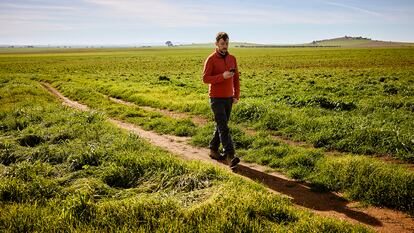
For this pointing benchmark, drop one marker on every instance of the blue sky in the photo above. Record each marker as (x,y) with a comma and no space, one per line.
(156,21)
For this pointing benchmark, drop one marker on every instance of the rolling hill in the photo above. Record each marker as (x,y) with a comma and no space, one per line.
(343,42)
(349,41)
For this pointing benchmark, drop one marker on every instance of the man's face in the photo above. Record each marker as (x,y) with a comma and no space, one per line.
(222,45)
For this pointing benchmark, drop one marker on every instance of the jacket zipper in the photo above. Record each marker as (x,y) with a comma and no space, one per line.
(225,63)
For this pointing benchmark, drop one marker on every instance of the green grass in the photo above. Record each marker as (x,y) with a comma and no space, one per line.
(65,170)
(360,177)
(352,100)
(148,120)
(368,180)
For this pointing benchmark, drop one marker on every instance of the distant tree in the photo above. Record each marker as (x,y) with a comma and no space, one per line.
(169,43)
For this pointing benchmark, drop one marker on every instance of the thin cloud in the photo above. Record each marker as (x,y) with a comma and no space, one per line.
(158,12)
(169,14)
(13,6)
(21,28)
(353,8)
(125,19)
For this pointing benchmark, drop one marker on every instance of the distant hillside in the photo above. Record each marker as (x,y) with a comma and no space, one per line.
(349,41)
(343,42)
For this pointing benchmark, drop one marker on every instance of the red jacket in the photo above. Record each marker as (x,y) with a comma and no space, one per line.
(214,67)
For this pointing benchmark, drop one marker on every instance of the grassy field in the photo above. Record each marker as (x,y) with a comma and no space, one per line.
(65,170)
(353,100)
(358,100)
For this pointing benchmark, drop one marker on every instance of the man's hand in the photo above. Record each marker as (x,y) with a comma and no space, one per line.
(235,101)
(227,74)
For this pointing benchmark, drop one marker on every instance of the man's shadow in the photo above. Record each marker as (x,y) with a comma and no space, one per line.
(304,196)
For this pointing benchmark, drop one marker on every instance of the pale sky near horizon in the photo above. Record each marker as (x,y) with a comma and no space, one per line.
(151,22)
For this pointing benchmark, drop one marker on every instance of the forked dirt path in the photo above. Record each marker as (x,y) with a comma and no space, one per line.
(328,204)
(201,121)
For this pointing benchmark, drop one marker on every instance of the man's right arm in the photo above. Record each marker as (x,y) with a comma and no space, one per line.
(207,73)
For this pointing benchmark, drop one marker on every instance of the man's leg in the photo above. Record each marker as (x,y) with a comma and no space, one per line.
(214,146)
(232,160)
(228,146)
(222,108)
(215,141)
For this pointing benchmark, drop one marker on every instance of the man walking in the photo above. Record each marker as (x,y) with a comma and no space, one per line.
(221,73)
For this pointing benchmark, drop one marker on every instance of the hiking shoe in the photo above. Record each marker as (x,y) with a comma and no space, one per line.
(216,155)
(232,160)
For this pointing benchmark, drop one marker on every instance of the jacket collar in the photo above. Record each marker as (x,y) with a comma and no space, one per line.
(218,54)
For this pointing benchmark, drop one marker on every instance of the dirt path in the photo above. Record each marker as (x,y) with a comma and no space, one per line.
(326,204)
(201,121)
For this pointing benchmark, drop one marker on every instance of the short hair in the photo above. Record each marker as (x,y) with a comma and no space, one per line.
(222,35)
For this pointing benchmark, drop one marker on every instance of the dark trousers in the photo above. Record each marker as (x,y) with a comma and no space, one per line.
(221,108)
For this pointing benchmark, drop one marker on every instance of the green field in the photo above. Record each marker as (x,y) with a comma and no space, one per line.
(64,170)
(357,101)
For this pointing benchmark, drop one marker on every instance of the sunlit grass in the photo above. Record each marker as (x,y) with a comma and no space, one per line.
(66,170)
